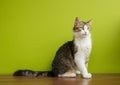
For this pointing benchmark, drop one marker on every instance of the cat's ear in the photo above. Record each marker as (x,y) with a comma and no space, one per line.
(77,21)
(89,23)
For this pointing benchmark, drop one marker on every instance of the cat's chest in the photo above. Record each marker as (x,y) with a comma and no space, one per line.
(83,46)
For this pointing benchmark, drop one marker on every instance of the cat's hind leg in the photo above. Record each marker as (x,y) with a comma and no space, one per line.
(69,73)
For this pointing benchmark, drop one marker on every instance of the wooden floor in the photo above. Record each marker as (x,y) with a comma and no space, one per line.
(97,79)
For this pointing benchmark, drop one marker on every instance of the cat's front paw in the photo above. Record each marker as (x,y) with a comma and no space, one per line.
(78,72)
(87,76)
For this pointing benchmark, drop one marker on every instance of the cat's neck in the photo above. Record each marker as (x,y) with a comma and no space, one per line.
(88,37)
(83,42)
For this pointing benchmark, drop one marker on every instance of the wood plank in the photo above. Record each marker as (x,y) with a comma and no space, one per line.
(97,79)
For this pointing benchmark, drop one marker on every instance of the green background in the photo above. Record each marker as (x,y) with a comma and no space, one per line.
(31,31)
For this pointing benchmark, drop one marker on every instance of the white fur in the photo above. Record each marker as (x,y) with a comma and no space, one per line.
(84,45)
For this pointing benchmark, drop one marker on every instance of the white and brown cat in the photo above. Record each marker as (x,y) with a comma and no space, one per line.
(72,57)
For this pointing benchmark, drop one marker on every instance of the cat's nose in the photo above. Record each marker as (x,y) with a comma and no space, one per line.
(85,33)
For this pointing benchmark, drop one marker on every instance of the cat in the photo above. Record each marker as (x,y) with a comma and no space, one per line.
(72,57)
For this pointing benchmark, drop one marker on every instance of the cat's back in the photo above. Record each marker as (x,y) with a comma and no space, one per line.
(66,49)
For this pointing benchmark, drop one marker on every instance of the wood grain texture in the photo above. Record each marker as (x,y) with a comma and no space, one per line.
(97,79)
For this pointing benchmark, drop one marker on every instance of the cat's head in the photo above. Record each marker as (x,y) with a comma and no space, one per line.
(82,29)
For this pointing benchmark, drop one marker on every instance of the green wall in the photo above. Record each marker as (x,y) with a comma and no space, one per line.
(32,30)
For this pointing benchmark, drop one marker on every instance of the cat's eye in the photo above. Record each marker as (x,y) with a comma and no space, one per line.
(77,29)
(80,28)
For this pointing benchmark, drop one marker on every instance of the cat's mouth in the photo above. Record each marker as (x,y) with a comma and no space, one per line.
(85,34)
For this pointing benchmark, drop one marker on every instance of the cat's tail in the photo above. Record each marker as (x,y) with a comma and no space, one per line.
(30,73)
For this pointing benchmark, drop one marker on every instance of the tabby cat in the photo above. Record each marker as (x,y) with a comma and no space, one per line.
(72,57)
